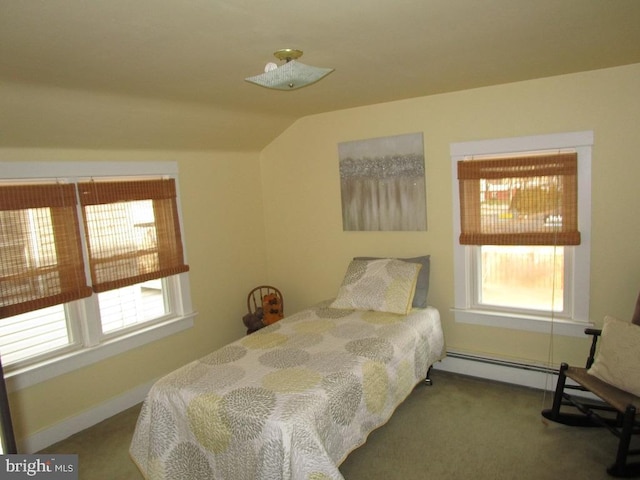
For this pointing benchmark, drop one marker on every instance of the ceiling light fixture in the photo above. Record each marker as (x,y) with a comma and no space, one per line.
(291,75)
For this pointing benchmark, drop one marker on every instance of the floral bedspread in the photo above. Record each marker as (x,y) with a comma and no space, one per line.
(290,401)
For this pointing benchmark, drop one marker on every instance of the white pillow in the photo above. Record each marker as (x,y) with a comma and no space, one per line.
(383,285)
(618,359)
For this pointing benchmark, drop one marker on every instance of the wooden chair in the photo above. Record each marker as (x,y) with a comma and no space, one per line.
(255,303)
(616,412)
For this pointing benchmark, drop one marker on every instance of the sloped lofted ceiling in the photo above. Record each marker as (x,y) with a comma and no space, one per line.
(169,74)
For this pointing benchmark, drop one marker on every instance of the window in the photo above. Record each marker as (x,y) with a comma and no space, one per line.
(521,232)
(92,264)
(529,278)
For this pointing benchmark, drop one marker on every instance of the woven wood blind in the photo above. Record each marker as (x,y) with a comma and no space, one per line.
(40,251)
(519,201)
(132,230)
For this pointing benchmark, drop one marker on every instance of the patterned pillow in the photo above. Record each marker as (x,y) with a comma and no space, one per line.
(422,285)
(385,285)
(618,358)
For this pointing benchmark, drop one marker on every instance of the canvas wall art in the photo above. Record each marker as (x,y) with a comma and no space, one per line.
(382,183)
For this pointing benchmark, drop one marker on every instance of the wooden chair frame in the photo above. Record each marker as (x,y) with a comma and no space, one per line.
(254,299)
(617,412)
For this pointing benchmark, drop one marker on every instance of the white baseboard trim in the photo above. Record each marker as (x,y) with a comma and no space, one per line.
(86,419)
(533,376)
(508,372)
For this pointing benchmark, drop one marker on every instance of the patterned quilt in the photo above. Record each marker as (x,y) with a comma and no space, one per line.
(290,401)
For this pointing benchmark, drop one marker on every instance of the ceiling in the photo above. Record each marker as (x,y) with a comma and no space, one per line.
(169,74)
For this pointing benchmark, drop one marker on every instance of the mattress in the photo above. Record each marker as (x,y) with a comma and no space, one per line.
(290,401)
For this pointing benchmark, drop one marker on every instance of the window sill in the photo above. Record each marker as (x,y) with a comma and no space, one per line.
(52,368)
(527,323)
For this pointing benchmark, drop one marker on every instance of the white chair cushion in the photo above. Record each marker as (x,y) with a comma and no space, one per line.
(618,359)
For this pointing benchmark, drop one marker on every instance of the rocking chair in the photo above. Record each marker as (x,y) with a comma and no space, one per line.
(616,412)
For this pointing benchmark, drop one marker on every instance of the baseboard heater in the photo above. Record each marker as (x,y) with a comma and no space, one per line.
(505,363)
(540,377)
(525,374)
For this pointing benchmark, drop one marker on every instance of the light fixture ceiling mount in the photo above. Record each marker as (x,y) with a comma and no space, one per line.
(291,75)
(287,54)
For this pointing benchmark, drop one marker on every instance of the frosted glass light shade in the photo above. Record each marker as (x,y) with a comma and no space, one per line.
(290,76)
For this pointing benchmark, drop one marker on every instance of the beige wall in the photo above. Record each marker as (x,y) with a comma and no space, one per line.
(308,251)
(224,240)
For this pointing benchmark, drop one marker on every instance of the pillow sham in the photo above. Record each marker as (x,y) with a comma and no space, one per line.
(422,286)
(384,285)
(618,359)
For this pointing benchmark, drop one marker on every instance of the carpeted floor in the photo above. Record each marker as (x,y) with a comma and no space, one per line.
(459,428)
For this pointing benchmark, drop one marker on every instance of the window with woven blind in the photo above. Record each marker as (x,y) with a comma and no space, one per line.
(521,242)
(132,231)
(528,200)
(91,263)
(41,261)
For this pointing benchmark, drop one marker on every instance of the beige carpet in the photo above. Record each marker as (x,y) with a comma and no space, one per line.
(459,428)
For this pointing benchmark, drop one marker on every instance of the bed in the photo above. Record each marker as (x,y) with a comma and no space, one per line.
(292,400)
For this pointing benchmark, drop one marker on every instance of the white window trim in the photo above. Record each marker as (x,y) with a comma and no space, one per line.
(582,142)
(89,354)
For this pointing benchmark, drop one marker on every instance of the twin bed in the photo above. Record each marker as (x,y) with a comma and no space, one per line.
(292,400)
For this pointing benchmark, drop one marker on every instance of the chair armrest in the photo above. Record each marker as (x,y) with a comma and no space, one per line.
(595,332)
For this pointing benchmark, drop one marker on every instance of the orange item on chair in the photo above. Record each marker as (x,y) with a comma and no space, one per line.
(271,308)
